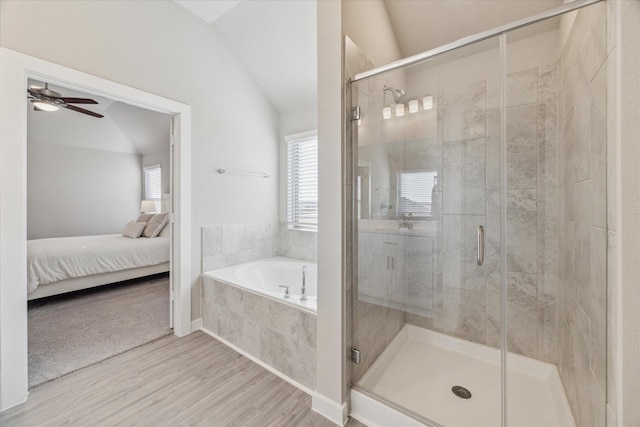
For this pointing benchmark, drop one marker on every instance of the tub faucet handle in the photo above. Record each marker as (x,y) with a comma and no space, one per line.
(286,290)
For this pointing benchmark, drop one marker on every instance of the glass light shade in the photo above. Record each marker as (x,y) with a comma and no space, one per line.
(386,113)
(45,106)
(427,102)
(399,110)
(413,106)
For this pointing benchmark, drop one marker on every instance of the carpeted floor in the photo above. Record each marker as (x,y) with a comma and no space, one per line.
(69,332)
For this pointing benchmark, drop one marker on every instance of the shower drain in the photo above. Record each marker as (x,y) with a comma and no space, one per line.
(461,392)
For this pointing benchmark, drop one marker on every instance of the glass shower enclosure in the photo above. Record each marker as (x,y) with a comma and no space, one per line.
(480,231)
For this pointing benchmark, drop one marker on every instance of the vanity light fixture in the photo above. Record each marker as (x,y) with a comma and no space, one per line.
(398,108)
(427,102)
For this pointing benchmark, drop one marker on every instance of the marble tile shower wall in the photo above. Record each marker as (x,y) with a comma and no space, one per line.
(226,245)
(463,134)
(470,121)
(582,212)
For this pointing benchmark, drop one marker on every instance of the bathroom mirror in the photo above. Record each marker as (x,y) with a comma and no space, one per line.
(399,180)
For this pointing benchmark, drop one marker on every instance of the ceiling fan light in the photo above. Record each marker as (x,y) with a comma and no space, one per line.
(45,106)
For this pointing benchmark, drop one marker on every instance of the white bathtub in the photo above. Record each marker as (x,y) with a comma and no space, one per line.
(265,276)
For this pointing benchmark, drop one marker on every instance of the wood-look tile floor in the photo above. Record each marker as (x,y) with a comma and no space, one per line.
(189,381)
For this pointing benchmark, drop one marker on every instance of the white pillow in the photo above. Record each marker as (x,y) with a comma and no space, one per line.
(134,229)
(145,217)
(155,225)
(165,231)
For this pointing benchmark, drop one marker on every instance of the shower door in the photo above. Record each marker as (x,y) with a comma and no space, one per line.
(555,297)
(480,230)
(426,323)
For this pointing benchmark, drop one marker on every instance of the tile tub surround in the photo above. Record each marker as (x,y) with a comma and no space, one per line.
(233,244)
(277,334)
(297,244)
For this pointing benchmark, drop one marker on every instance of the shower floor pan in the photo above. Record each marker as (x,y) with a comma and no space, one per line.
(419,368)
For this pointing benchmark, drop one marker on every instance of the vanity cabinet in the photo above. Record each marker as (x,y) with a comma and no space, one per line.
(398,271)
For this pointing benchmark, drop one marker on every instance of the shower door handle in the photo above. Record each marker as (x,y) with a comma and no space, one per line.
(480,257)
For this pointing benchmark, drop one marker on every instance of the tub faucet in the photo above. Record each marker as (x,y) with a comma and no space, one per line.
(303,292)
(286,290)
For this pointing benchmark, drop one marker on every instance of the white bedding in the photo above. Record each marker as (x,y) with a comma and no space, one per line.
(52,260)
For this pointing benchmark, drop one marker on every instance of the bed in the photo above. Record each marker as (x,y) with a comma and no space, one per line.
(60,265)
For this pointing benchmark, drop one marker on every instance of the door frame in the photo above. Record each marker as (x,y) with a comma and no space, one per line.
(15,69)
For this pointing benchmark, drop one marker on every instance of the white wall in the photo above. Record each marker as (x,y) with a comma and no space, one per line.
(627,219)
(329,398)
(75,191)
(370,29)
(161,48)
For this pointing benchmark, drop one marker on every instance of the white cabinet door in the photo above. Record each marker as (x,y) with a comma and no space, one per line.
(420,270)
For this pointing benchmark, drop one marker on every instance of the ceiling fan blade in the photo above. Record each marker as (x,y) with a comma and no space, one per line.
(82,110)
(78,100)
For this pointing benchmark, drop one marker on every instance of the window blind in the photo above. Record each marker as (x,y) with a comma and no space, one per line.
(302,183)
(414,192)
(153,182)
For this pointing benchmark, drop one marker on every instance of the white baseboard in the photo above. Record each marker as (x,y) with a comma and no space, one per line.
(330,409)
(366,409)
(259,362)
(196,325)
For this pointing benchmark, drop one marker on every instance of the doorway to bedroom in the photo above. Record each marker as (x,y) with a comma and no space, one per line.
(15,69)
(99,174)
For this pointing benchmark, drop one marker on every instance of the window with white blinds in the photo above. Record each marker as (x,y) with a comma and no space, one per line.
(302,181)
(152,183)
(414,192)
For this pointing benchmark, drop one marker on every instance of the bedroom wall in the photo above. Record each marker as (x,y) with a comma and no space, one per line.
(161,48)
(84,173)
(73,191)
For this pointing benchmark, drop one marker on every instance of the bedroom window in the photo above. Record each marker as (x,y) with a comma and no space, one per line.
(302,181)
(152,182)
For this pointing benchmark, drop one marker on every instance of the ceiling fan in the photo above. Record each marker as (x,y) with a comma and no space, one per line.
(45,99)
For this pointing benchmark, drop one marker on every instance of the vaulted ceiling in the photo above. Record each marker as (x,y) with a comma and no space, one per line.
(124,128)
(276,40)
